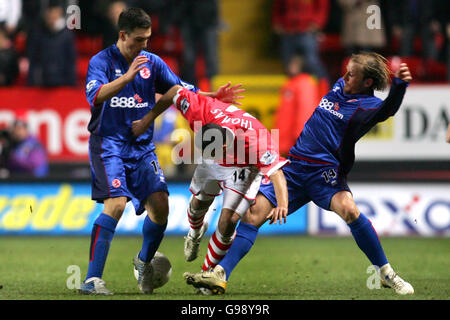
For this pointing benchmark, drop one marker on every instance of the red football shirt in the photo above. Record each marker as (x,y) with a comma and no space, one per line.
(253,143)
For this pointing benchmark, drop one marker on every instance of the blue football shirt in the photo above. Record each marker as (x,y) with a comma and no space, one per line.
(113,118)
(340,120)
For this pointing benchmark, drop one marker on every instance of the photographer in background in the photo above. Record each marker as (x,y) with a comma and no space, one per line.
(5,141)
(21,154)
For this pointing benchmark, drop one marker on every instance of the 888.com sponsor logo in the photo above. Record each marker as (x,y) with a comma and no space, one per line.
(127,102)
(331,107)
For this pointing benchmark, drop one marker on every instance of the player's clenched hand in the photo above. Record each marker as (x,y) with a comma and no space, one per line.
(139,127)
(403,73)
(136,66)
(278,214)
(230,94)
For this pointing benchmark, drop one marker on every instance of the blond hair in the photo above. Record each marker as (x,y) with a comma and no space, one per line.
(374,66)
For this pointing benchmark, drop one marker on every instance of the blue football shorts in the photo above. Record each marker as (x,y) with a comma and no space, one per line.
(307,181)
(120,170)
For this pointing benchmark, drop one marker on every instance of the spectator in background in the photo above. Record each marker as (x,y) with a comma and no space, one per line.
(298,23)
(9,65)
(443,20)
(10,13)
(447,53)
(5,142)
(298,99)
(411,17)
(355,34)
(198,21)
(110,28)
(51,51)
(26,156)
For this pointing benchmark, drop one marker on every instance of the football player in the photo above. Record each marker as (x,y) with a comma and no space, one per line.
(121,84)
(237,151)
(320,161)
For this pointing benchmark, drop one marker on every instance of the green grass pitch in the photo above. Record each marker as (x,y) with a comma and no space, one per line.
(277,268)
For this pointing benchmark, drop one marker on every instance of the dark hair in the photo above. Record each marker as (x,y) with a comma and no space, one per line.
(202,143)
(374,66)
(133,18)
(55,4)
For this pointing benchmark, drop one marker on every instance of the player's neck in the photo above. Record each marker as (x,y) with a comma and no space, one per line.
(129,59)
(368,92)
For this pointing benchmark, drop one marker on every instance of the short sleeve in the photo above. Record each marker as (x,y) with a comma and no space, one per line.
(190,105)
(166,79)
(269,157)
(97,76)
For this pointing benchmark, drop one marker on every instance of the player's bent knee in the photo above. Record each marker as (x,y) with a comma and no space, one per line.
(204,198)
(157,207)
(200,203)
(158,216)
(349,212)
(248,218)
(342,203)
(235,218)
(114,207)
(227,222)
(256,215)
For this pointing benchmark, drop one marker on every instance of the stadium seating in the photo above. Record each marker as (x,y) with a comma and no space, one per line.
(170,47)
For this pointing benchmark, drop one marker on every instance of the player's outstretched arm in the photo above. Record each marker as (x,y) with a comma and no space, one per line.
(226,93)
(403,73)
(281,193)
(392,103)
(140,126)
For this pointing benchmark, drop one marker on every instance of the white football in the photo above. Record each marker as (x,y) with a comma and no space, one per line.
(162,270)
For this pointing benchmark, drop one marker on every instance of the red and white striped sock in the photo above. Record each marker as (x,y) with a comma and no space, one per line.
(217,248)
(195,218)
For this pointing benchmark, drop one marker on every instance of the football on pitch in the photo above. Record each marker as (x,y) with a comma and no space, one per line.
(162,270)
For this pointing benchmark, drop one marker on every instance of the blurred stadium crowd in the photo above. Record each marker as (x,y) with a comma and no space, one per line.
(38,50)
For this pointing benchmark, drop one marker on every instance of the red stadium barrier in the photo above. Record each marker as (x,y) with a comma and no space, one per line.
(58,117)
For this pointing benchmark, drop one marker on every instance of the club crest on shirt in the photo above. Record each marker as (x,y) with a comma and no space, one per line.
(265,180)
(116,183)
(145,73)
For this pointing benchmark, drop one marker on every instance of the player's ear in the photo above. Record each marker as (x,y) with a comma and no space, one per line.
(368,82)
(122,35)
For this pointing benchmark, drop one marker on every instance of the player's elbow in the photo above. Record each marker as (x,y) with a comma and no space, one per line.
(175,88)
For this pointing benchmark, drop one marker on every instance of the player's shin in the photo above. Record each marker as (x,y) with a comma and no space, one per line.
(153,234)
(196,216)
(101,237)
(217,248)
(367,240)
(243,242)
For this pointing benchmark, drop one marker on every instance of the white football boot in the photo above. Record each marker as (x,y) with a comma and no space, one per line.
(192,243)
(392,280)
(95,286)
(145,275)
